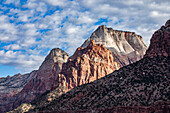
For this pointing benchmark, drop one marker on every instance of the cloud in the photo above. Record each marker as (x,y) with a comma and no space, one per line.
(29,30)
(24,62)
(12,47)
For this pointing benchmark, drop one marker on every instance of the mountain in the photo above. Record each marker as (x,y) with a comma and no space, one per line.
(38,82)
(126,47)
(59,74)
(86,65)
(139,87)
(160,42)
(10,86)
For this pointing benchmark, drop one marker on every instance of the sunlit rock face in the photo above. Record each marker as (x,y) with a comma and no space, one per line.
(160,42)
(86,65)
(126,47)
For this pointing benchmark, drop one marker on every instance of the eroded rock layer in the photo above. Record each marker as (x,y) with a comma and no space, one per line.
(126,47)
(87,65)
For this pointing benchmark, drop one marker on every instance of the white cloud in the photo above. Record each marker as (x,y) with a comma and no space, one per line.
(12,47)
(68,23)
(16,2)
(60,3)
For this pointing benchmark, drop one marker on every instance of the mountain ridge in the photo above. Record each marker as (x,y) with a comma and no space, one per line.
(144,83)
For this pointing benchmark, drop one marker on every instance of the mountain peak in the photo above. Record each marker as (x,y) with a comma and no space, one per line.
(160,42)
(126,47)
(102,27)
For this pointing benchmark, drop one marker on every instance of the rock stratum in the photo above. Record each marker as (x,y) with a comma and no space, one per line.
(86,65)
(139,87)
(126,47)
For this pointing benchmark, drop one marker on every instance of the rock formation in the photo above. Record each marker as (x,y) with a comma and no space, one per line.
(126,47)
(144,84)
(160,42)
(45,78)
(87,65)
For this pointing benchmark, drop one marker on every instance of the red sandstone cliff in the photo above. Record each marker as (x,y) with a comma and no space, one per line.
(87,65)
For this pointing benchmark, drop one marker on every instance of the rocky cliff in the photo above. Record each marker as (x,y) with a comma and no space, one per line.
(160,42)
(144,84)
(45,78)
(86,65)
(126,47)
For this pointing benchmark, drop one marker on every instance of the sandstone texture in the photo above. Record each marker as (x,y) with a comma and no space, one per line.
(86,65)
(160,42)
(126,47)
(57,76)
(140,84)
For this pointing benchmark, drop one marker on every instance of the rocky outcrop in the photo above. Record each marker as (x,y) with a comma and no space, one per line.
(160,42)
(126,47)
(45,78)
(86,65)
(16,82)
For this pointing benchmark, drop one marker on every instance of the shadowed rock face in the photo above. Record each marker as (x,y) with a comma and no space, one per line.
(126,47)
(87,65)
(160,42)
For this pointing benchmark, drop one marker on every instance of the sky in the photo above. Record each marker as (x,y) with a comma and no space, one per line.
(29,29)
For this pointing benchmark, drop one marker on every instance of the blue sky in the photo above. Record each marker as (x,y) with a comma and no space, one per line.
(29,29)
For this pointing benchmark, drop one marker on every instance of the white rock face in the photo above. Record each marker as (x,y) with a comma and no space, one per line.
(126,47)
